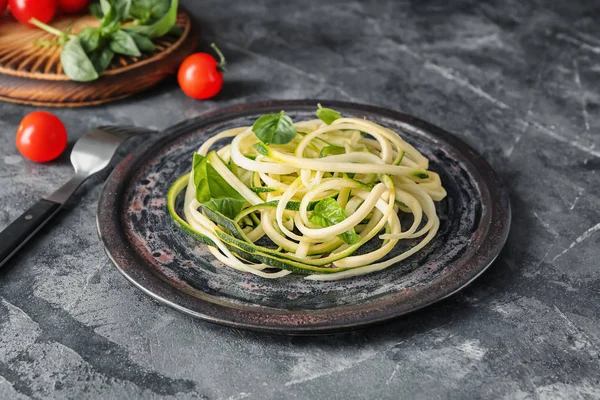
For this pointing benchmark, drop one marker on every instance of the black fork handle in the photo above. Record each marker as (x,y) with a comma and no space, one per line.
(25,227)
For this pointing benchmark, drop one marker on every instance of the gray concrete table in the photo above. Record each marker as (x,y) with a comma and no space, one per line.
(517,80)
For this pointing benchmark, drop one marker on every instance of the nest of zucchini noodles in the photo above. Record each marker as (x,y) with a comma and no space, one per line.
(305,197)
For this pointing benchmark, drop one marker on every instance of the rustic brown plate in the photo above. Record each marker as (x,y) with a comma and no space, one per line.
(155,256)
(33,75)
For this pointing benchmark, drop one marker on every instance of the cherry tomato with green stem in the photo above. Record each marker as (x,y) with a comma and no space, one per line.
(201,76)
(73,6)
(24,10)
(41,136)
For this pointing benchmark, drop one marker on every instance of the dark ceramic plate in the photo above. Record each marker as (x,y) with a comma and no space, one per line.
(155,256)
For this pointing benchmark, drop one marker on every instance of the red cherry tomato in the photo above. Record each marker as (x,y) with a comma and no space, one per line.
(24,10)
(3,4)
(73,6)
(200,75)
(41,137)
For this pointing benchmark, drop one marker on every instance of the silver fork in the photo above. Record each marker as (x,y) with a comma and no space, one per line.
(91,154)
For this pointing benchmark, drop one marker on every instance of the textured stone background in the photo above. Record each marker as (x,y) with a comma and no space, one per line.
(518,80)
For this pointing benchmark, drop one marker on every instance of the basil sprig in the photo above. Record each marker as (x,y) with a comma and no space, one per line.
(274,128)
(126,27)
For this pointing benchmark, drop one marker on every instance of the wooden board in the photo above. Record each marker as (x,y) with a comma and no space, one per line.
(33,75)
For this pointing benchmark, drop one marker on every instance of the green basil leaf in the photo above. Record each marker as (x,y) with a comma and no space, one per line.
(90,39)
(108,30)
(119,7)
(105,6)
(122,7)
(331,150)
(76,63)
(110,22)
(213,190)
(199,168)
(96,10)
(327,115)
(274,129)
(122,43)
(143,42)
(328,212)
(162,26)
(142,16)
(229,207)
(149,10)
(101,59)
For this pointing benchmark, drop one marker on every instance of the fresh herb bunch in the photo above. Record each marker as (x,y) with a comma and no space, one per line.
(126,27)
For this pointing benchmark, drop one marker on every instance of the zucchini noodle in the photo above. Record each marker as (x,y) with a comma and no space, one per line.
(309,206)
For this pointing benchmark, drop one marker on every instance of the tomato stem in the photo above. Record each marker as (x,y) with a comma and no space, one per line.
(222,67)
(45,27)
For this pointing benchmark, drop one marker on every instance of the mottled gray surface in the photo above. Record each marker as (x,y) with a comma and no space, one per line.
(517,80)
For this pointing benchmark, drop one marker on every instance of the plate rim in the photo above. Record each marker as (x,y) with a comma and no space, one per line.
(296,322)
